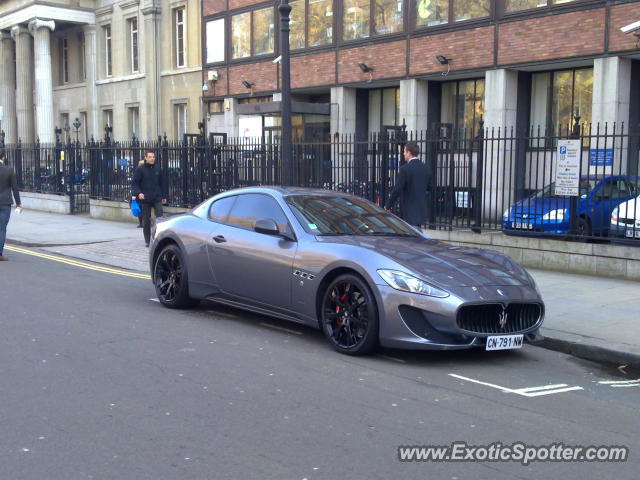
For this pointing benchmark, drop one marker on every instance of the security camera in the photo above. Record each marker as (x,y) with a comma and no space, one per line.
(277,59)
(213,75)
(631,27)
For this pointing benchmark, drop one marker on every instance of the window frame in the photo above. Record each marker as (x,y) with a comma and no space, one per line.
(134,44)
(451,22)
(64,58)
(226,35)
(372,24)
(252,53)
(180,26)
(83,52)
(108,52)
(551,5)
(476,120)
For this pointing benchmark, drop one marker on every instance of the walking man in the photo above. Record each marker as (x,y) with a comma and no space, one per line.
(149,188)
(412,186)
(8,187)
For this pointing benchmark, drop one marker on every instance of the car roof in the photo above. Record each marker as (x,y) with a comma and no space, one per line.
(286,191)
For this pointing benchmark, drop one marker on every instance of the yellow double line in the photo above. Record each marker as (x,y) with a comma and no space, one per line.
(76,263)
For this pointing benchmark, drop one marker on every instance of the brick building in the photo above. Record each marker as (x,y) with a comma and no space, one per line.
(360,65)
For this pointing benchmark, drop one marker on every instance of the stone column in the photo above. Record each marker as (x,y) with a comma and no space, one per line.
(24,84)
(413,105)
(500,107)
(343,110)
(8,88)
(151,108)
(91,62)
(45,122)
(610,109)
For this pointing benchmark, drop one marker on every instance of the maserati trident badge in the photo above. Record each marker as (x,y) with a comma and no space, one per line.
(502,319)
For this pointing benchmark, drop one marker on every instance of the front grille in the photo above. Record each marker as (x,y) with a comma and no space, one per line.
(485,319)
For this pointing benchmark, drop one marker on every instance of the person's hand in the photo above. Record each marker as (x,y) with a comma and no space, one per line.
(141,196)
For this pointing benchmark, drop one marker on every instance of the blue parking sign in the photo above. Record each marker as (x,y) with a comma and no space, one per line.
(563,150)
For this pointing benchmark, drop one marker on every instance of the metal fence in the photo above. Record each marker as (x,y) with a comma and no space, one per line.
(483,179)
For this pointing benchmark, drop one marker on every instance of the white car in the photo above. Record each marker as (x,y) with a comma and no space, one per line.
(625,219)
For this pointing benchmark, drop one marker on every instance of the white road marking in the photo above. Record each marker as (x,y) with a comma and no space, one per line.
(525,392)
(618,382)
(282,329)
(627,385)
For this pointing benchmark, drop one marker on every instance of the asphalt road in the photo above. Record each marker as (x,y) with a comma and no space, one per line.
(99,381)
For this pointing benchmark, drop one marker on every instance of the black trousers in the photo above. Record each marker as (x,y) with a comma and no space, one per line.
(146,217)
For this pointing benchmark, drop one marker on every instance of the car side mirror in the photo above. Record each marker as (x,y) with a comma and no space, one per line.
(267,226)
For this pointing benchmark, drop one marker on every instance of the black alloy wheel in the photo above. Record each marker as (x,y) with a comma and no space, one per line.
(350,316)
(170,279)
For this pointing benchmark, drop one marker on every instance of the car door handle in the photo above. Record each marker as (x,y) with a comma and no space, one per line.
(220,239)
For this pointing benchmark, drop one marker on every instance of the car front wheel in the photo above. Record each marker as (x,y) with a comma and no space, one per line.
(350,316)
(170,279)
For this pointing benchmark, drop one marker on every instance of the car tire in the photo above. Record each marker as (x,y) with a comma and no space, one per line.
(349,315)
(170,278)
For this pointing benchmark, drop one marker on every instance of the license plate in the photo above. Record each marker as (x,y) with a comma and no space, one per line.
(505,342)
(522,225)
(631,233)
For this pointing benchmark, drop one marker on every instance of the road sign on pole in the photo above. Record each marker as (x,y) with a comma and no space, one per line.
(568,168)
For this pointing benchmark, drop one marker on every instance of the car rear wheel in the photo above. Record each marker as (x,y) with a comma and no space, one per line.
(349,316)
(170,279)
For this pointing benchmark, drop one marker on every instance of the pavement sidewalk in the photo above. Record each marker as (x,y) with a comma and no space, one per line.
(588,317)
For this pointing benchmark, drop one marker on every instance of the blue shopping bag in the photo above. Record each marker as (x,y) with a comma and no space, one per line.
(136,211)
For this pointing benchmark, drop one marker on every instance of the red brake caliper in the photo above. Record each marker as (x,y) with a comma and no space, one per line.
(338,319)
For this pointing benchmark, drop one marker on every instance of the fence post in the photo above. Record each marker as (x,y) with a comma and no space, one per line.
(479,179)
(19,166)
(573,200)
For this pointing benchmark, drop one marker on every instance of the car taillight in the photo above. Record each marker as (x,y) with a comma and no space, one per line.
(614,215)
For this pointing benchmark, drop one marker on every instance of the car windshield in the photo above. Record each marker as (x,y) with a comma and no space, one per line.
(586,187)
(340,215)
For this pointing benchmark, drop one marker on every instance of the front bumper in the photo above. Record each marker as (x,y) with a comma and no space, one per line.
(411,321)
(523,227)
(628,231)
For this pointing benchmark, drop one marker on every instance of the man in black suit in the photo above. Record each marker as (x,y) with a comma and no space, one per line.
(8,193)
(414,181)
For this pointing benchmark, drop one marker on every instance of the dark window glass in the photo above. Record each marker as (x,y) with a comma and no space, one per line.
(327,215)
(469,9)
(320,22)
(463,104)
(219,210)
(241,35)
(296,24)
(357,18)
(432,12)
(263,30)
(251,207)
(388,16)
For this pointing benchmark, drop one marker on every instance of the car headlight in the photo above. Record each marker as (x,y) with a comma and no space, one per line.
(408,283)
(614,215)
(557,215)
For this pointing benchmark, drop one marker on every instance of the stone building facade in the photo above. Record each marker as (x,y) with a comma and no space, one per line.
(131,65)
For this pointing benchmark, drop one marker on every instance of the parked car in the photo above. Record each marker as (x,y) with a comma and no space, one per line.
(545,212)
(345,265)
(625,220)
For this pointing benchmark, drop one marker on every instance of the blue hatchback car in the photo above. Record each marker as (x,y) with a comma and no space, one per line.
(544,212)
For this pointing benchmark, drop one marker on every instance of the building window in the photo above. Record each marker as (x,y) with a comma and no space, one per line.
(320,23)
(180,119)
(84,126)
(83,67)
(216,107)
(384,108)
(357,18)
(252,33)
(107,50)
(64,121)
(517,5)
(262,29)
(133,114)
(215,41)
(64,56)
(557,96)
(436,12)
(179,28)
(311,23)
(387,16)
(133,45)
(463,105)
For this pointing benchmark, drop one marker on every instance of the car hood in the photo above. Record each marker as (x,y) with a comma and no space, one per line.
(443,264)
(538,206)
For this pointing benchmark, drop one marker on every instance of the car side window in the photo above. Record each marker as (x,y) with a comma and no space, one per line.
(219,210)
(251,207)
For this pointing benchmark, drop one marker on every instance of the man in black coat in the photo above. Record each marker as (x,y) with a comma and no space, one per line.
(8,193)
(149,188)
(413,183)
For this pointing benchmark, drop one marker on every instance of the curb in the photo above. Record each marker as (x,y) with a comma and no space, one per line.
(590,352)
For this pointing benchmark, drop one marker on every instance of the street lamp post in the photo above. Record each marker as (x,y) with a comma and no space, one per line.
(76,125)
(285,137)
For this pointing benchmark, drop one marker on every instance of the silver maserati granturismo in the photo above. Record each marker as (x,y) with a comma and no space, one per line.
(345,265)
